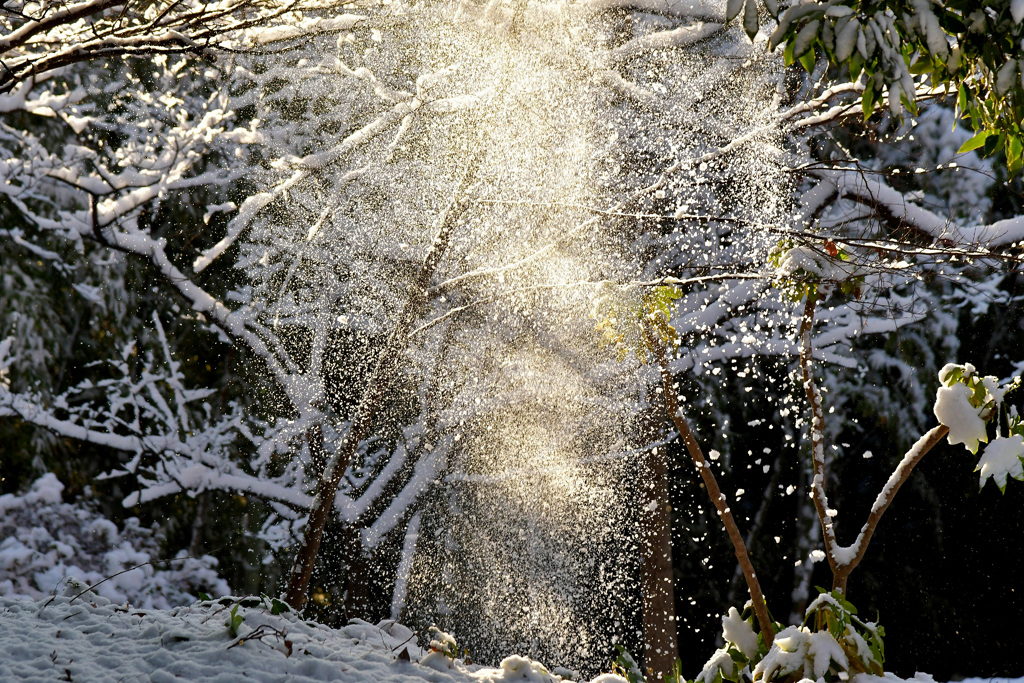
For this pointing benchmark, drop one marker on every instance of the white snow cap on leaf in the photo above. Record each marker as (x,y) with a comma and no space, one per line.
(948,369)
(1017,10)
(787,655)
(822,650)
(953,409)
(736,630)
(719,660)
(1002,458)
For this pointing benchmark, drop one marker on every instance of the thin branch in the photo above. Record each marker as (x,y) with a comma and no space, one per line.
(885,498)
(377,386)
(714,492)
(817,433)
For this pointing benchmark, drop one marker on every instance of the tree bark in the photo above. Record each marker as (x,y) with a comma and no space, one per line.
(661,643)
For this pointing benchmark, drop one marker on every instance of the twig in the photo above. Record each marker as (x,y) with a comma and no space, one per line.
(818,494)
(125,571)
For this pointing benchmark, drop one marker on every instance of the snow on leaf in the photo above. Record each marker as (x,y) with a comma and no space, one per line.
(737,631)
(787,655)
(719,661)
(1002,458)
(953,409)
(822,650)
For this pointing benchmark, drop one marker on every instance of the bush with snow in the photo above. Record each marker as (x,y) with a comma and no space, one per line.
(47,543)
(965,404)
(831,644)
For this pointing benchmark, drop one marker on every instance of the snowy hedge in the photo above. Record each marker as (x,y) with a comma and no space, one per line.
(47,542)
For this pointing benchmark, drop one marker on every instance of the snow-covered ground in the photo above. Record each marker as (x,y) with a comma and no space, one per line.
(81,636)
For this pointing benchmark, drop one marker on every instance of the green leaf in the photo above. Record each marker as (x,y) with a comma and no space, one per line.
(843,602)
(750,22)
(1014,149)
(805,38)
(807,60)
(234,621)
(909,104)
(992,143)
(856,66)
(203,596)
(923,65)
(975,142)
(868,99)
(277,607)
(732,9)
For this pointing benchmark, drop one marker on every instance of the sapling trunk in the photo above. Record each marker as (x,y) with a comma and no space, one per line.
(818,494)
(843,560)
(675,413)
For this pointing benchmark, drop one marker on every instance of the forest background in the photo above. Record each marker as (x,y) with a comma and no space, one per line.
(203,258)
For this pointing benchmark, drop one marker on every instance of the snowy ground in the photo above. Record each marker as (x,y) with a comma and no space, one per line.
(90,639)
(81,636)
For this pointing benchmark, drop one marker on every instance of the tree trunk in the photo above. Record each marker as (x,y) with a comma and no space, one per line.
(718,499)
(661,645)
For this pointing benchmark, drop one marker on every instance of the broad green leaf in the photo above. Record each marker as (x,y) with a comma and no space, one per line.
(975,142)
(868,99)
(992,143)
(807,61)
(1013,153)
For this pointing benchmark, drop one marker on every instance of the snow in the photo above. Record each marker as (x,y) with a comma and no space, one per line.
(736,630)
(662,40)
(719,661)
(48,543)
(812,261)
(1001,458)
(822,650)
(788,654)
(953,409)
(89,638)
(854,185)
(1017,10)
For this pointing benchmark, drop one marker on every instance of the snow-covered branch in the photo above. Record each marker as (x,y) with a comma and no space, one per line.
(871,190)
(36,39)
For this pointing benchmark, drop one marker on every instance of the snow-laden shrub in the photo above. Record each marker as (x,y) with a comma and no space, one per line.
(831,644)
(46,542)
(965,404)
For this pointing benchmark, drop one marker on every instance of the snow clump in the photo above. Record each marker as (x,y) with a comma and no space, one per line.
(953,408)
(737,630)
(1002,458)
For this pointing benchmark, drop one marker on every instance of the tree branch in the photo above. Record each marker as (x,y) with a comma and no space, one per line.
(885,498)
(373,397)
(817,433)
(714,492)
